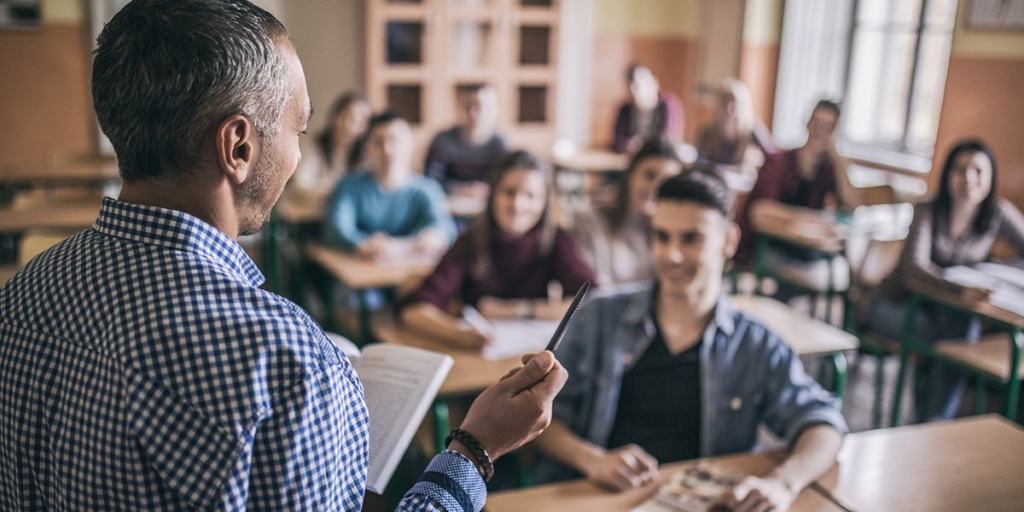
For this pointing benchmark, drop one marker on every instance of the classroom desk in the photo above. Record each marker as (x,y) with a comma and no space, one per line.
(64,215)
(361,275)
(592,160)
(85,172)
(1010,321)
(583,496)
(804,334)
(470,374)
(968,464)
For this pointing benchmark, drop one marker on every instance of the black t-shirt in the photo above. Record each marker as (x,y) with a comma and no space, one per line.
(659,406)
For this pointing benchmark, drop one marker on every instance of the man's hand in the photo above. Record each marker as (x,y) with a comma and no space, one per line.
(517,409)
(755,494)
(623,468)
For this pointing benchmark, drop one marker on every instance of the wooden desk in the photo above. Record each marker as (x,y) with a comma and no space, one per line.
(592,160)
(582,496)
(65,173)
(470,374)
(968,464)
(362,275)
(294,209)
(1012,322)
(65,215)
(803,334)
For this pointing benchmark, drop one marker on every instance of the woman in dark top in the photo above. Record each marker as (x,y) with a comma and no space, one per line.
(504,263)
(958,227)
(650,112)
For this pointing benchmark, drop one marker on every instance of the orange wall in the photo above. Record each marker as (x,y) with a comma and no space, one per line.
(759,70)
(671,58)
(46,106)
(984,98)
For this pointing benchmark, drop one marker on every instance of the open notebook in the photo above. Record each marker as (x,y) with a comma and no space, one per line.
(399,383)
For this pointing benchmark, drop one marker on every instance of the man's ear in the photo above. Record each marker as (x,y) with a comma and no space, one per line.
(236,145)
(732,239)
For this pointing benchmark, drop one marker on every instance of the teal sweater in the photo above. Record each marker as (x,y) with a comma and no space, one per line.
(360,208)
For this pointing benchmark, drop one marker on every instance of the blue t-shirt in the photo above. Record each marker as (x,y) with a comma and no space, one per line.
(360,208)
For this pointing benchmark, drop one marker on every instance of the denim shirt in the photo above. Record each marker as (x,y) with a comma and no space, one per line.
(748,377)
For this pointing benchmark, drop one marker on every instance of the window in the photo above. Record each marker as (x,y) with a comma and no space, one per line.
(884,60)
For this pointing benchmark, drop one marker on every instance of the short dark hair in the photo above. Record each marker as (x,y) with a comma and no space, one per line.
(385,117)
(654,147)
(699,186)
(166,73)
(633,68)
(827,105)
(944,201)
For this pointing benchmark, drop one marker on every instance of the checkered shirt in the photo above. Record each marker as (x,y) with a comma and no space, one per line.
(141,368)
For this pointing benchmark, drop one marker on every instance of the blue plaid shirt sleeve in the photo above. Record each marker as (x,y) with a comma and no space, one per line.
(451,483)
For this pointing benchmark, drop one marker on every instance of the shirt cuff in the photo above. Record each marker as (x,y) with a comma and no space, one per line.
(452,482)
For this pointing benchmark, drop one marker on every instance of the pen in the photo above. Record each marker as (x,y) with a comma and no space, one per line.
(557,337)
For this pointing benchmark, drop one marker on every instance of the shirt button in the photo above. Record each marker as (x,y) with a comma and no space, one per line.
(736,403)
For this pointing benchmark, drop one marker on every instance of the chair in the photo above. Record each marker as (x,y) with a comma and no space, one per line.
(867,272)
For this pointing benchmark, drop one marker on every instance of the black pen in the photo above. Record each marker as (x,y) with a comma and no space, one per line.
(557,337)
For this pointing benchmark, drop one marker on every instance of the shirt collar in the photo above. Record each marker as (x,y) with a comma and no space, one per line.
(640,309)
(175,230)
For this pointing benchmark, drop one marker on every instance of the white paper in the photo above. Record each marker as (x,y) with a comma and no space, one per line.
(517,337)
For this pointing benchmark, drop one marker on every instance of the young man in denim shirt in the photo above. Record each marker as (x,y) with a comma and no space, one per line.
(673,372)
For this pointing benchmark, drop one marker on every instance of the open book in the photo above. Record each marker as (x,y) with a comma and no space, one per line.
(399,383)
(1006,283)
(696,488)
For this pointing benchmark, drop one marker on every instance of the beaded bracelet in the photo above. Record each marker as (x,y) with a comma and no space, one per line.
(475,448)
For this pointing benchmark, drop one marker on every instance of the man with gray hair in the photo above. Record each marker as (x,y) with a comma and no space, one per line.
(141,367)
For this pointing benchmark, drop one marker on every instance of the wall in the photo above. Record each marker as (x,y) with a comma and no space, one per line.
(984,99)
(329,37)
(46,106)
(663,34)
(759,56)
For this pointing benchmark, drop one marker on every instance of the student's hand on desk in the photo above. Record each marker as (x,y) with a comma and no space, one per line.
(755,494)
(431,241)
(623,468)
(517,409)
(375,246)
(472,338)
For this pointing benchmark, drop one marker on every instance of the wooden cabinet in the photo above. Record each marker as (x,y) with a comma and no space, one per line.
(420,52)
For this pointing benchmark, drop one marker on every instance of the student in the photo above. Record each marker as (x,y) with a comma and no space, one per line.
(504,263)
(143,368)
(389,212)
(334,150)
(650,112)
(793,187)
(460,157)
(613,238)
(672,372)
(735,140)
(958,227)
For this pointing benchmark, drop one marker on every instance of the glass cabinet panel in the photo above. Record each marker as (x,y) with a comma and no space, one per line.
(404,42)
(533,103)
(534,44)
(406,101)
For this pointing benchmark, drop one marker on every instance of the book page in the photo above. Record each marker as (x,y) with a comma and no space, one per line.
(399,384)
(517,337)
